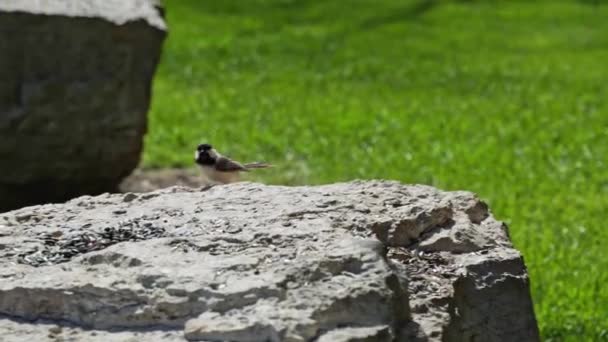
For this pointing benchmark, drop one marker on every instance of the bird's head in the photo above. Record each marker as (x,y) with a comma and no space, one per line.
(205,155)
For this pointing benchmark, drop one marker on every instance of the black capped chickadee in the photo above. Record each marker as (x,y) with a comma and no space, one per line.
(220,169)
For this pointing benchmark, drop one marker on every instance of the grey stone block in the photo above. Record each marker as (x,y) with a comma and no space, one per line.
(75,86)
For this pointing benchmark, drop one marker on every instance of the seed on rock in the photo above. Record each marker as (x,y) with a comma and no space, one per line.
(59,248)
(129,197)
(233,230)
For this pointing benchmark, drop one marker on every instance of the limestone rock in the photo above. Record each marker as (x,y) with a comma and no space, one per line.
(75,79)
(359,261)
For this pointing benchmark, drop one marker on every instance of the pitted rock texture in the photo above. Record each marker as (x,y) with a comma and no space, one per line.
(75,80)
(359,261)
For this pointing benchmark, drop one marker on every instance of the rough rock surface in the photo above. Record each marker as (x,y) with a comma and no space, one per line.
(359,261)
(75,78)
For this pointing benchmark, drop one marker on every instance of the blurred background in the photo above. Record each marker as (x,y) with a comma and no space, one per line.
(508,99)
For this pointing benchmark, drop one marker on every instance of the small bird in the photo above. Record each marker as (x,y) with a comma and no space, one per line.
(220,169)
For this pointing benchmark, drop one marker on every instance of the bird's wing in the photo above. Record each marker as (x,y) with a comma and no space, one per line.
(227,165)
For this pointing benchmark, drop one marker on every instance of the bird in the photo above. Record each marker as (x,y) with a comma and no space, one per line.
(220,169)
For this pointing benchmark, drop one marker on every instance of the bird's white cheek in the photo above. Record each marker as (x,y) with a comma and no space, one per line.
(195,155)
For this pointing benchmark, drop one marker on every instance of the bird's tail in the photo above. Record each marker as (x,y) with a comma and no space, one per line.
(257,165)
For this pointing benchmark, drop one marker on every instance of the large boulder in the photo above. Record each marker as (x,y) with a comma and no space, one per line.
(75,80)
(359,261)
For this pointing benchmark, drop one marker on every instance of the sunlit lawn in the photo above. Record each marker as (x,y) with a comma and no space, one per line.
(506,99)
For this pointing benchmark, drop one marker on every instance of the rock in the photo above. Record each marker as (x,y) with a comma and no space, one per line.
(366,334)
(74,94)
(359,261)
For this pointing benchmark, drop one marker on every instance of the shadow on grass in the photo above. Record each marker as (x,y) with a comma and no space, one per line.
(411,12)
(250,7)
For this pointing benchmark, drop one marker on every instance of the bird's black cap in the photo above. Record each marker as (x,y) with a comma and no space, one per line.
(204,147)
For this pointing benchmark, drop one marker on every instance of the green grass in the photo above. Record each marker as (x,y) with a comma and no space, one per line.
(508,99)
